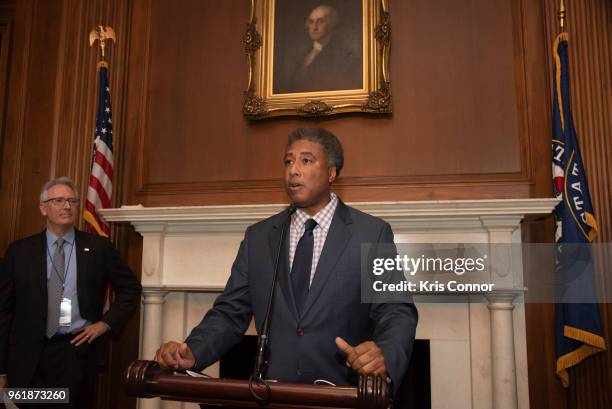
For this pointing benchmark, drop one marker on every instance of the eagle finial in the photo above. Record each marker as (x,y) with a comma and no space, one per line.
(101,34)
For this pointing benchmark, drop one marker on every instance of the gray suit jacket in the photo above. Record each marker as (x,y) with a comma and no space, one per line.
(302,349)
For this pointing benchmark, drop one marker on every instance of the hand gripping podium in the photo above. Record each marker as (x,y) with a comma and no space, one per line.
(145,379)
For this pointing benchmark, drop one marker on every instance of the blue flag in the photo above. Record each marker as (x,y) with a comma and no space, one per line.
(578,323)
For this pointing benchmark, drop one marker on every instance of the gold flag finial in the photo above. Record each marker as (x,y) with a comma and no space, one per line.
(561,15)
(101,34)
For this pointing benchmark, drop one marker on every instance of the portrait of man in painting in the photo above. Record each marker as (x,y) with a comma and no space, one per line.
(318,46)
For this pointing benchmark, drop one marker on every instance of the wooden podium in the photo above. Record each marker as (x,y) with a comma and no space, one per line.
(145,379)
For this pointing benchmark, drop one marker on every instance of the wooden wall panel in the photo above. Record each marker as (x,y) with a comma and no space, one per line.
(7,163)
(460,81)
(7,18)
(16,173)
(545,390)
(38,141)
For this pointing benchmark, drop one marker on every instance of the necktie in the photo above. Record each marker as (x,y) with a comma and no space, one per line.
(55,289)
(302,264)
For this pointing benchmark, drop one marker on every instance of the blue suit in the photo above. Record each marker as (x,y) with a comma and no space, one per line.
(302,349)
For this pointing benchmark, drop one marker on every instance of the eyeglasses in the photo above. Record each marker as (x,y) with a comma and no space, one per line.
(61,201)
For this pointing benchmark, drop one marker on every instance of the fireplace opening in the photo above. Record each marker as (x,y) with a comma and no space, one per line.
(238,363)
(415,390)
(413,393)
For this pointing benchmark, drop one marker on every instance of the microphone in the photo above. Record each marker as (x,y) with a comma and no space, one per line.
(262,340)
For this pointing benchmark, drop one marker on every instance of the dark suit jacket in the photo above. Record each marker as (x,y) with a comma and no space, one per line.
(336,67)
(23,297)
(302,349)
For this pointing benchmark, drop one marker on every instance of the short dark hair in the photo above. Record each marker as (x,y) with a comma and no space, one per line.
(331,144)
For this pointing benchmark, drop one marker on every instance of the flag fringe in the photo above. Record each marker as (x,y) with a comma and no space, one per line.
(593,344)
(586,337)
(561,37)
(592,223)
(89,218)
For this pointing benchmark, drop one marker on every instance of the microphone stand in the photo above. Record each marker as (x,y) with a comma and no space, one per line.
(262,339)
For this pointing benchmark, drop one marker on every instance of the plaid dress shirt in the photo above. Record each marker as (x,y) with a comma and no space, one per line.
(323,218)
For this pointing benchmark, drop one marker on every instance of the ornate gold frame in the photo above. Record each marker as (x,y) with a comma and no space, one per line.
(374,97)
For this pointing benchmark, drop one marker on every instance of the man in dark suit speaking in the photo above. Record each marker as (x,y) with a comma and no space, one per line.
(52,290)
(320,328)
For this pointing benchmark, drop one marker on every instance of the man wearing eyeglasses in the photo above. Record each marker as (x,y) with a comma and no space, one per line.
(52,290)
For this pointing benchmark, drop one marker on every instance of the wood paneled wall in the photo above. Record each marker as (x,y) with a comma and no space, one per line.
(7,17)
(462,78)
(471,89)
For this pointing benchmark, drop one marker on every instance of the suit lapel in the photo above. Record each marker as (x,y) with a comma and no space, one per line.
(80,243)
(335,244)
(39,259)
(274,238)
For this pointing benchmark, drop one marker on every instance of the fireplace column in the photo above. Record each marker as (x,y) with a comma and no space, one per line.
(153,296)
(506,273)
(502,350)
(153,306)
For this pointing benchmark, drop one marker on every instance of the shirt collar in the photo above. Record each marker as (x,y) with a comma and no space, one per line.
(52,238)
(323,217)
(317,46)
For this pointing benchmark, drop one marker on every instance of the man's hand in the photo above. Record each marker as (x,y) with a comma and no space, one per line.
(3,381)
(365,358)
(88,333)
(173,355)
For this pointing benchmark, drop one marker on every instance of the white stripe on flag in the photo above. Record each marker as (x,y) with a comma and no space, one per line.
(102,148)
(94,199)
(102,176)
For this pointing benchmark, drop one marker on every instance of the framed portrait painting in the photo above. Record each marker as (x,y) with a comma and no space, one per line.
(317,57)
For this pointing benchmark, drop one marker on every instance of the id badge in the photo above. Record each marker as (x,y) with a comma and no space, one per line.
(65,312)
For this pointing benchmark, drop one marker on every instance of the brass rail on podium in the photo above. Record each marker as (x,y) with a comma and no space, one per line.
(145,379)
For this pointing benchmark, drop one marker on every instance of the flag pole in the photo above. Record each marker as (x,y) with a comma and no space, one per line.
(561,17)
(100,187)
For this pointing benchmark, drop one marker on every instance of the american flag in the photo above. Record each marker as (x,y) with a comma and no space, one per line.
(101,177)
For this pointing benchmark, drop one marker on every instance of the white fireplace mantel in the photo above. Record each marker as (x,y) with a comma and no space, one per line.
(238,217)
(478,354)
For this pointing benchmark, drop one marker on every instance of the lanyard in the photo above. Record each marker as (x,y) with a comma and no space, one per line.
(62,280)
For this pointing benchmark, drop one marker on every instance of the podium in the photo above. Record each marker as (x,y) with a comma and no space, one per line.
(145,379)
